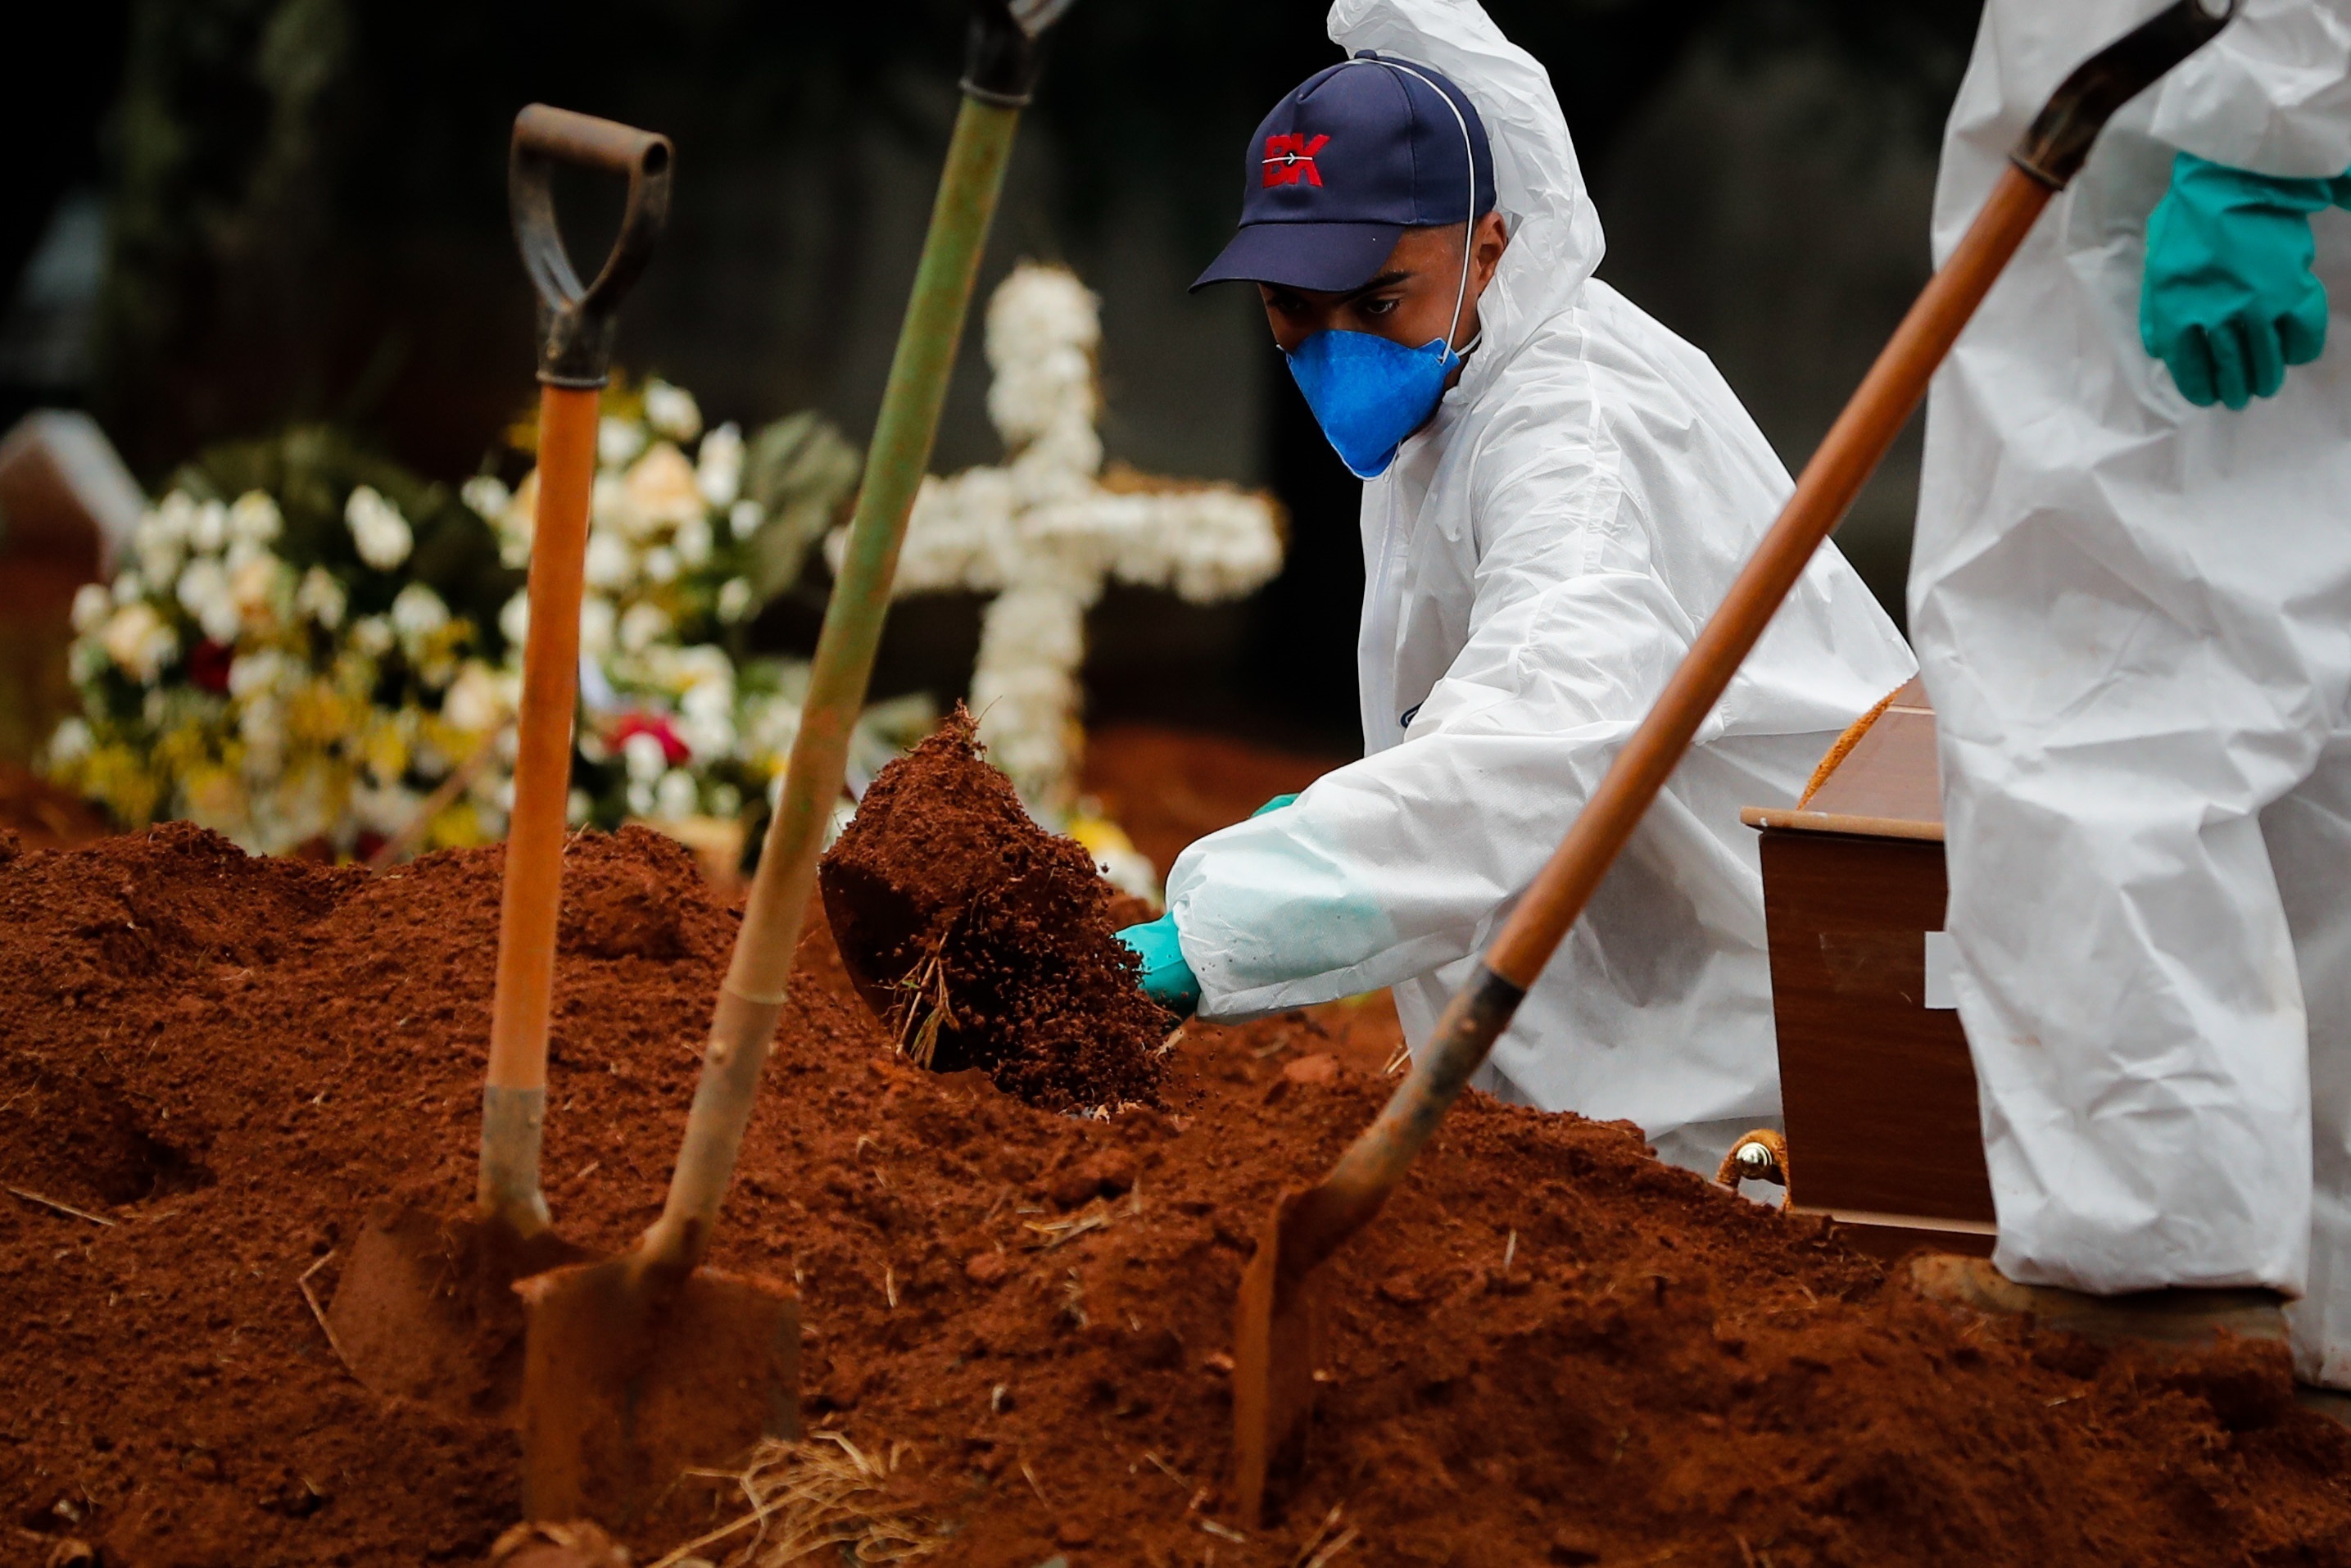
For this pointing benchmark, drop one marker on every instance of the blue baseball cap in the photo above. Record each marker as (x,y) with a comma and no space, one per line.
(1358,154)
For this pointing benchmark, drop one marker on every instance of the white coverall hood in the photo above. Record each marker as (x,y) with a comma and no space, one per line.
(2132,615)
(1555,238)
(1538,559)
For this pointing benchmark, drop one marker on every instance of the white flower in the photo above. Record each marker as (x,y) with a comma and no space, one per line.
(660,491)
(672,410)
(577,807)
(518,520)
(718,465)
(378,530)
(1043,326)
(487,494)
(476,699)
(734,599)
(708,700)
(175,518)
(138,639)
(321,597)
(676,796)
(640,799)
(692,543)
(384,808)
(770,726)
(513,618)
(262,727)
(203,591)
(618,440)
(70,742)
(710,737)
(661,564)
(640,626)
(597,617)
(744,518)
(255,519)
(256,579)
(86,660)
(259,672)
(611,564)
(418,612)
(644,756)
(373,635)
(208,530)
(127,587)
(161,539)
(608,500)
(91,604)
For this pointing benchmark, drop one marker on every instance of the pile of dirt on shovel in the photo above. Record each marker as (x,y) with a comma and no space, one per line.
(1549,1349)
(984,941)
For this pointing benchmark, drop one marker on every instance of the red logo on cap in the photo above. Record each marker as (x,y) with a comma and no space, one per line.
(1290,158)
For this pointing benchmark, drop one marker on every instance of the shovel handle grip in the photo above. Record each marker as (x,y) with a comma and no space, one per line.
(2058,143)
(575,322)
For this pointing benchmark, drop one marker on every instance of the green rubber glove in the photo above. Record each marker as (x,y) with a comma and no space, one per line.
(1166,978)
(2229,299)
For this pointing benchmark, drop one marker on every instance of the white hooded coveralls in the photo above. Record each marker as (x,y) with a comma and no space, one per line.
(2135,618)
(1538,560)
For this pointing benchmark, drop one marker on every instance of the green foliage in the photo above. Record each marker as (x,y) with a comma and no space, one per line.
(800,470)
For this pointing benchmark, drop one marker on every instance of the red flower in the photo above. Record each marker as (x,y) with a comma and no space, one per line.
(639,721)
(208,664)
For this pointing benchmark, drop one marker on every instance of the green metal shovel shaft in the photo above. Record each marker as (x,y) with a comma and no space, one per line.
(744,1023)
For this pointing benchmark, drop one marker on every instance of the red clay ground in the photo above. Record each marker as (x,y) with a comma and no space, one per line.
(228,1059)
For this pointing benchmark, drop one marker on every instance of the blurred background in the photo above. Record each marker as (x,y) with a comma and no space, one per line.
(246,213)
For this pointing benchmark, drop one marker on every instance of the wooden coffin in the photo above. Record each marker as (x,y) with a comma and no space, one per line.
(1880,1097)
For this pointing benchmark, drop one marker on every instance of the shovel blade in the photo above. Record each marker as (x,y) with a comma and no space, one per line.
(1276,1347)
(426,1309)
(629,1381)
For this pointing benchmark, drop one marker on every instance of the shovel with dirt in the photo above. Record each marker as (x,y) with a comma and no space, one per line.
(640,1367)
(1274,1338)
(427,1307)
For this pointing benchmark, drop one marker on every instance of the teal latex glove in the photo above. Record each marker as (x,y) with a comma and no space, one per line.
(1166,978)
(2229,299)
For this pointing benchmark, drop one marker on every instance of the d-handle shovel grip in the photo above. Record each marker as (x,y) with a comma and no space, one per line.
(1000,54)
(576,323)
(2058,141)
(2051,153)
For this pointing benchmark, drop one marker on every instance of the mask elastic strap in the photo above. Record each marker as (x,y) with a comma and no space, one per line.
(1469,225)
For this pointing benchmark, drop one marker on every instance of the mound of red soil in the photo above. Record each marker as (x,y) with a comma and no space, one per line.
(982,940)
(1548,1349)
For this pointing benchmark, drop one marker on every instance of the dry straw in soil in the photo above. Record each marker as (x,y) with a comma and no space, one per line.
(824,1496)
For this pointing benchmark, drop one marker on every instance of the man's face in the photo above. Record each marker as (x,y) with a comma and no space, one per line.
(1411,300)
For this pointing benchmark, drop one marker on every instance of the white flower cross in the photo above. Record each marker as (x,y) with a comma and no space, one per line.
(1044,532)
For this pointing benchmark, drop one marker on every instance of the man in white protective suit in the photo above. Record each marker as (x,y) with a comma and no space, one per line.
(1558,492)
(2131,594)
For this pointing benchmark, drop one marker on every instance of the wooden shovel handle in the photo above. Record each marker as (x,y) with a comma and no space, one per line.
(531,899)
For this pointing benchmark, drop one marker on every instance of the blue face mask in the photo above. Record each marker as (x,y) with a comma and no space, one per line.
(1368,392)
